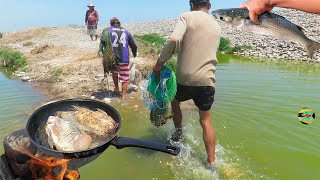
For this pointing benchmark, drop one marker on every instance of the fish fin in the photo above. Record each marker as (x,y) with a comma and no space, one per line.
(312,47)
(300,28)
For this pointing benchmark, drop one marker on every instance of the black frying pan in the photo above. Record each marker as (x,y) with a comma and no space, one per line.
(38,137)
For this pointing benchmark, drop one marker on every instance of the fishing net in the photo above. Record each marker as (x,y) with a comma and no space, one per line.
(158,93)
(108,55)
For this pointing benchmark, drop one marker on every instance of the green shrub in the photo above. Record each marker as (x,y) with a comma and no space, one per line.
(150,44)
(154,39)
(226,47)
(12,59)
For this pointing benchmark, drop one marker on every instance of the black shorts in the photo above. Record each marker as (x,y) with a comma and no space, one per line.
(202,96)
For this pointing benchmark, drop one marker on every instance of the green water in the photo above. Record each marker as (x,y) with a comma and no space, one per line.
(255,115)
(16,99)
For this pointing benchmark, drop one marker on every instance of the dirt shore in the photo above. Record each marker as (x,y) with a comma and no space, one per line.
(64,62)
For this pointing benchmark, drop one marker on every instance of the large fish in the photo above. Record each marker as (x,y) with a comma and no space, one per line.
(269,24)
(65,136)
(97,122)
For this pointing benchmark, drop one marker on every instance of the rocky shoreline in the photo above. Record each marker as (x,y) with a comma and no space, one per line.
(262,47)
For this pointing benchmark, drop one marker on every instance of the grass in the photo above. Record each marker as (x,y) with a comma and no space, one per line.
(154,39)
(12,59)
(150,44)
(56,74)
(226,47)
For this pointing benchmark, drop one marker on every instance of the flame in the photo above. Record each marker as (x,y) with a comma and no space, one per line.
(46,167)
(72,175)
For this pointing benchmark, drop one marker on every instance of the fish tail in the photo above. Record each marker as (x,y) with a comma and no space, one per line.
(312,47)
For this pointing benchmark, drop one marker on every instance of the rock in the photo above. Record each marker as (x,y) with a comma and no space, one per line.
(25,78)
(92,97)
(20,74)
(107,100)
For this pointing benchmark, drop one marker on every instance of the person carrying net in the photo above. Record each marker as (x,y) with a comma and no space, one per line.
(114,45)
(196,39)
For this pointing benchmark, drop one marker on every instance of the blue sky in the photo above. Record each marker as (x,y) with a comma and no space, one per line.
(22,14)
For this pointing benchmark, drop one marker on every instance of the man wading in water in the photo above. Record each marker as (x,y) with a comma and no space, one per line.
(114,45)
(196,39)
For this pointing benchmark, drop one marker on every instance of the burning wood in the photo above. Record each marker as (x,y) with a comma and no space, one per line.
(49,168)
(72,175)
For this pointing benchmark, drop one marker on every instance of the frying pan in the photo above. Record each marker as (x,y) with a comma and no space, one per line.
(37,135)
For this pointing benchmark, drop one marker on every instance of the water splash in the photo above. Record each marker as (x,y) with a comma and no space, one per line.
(191,162)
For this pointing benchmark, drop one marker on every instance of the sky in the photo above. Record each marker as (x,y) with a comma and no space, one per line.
(24,14)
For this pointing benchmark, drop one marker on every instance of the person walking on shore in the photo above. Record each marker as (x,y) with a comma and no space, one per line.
(114,45)
(196,38)
(91,20)
(256,7)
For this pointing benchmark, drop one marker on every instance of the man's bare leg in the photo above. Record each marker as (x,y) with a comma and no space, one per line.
(115,80)
(208,135)
(177,118)
(124,90)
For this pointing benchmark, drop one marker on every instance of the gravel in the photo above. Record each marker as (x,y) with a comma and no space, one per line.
(264,47)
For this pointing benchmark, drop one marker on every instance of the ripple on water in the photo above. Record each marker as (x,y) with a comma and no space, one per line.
(15,99)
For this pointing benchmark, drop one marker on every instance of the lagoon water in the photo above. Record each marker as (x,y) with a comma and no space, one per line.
(255,115)
(17,99)
(256,119)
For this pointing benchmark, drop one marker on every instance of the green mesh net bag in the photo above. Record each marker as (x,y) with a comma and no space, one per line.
(159,92)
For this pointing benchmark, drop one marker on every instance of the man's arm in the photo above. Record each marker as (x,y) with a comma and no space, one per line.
(133,45)
(172,45)
(256,7)
(312,6)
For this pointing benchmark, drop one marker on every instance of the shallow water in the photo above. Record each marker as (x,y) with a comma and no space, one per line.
(258,132)
(255,115)
(17,99)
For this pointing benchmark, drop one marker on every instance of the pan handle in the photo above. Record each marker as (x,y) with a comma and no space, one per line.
(122,142)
